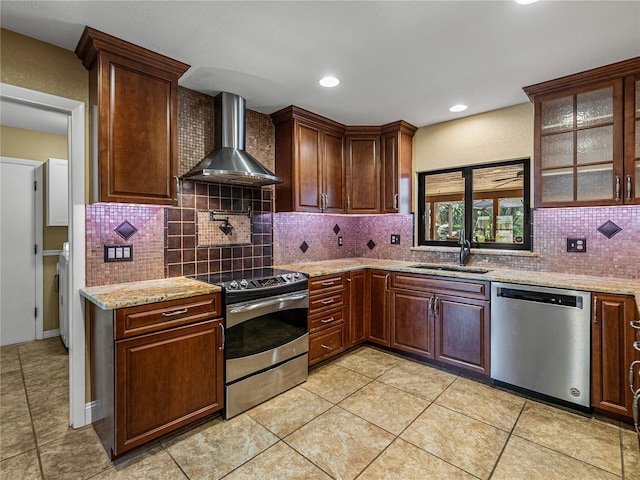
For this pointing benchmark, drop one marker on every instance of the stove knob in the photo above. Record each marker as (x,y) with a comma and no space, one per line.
(244,283)
(288,276)
(296,275)
(233,284)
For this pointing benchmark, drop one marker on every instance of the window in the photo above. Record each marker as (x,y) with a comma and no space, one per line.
(490,203)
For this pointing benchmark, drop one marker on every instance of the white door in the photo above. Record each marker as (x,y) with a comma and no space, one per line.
(19,224)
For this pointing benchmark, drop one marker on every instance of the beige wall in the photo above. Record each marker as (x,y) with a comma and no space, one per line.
(487,137)
(20,143)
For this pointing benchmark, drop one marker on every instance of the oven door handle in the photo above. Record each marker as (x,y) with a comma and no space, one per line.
(247,307)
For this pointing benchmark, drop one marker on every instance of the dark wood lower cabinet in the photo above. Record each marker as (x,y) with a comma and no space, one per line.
(612,352)
(462,333)
(166,380)
(412,325)
(359,299)
(378,283)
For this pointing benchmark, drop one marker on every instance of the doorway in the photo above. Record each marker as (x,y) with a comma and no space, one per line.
(75,112)
(21,310)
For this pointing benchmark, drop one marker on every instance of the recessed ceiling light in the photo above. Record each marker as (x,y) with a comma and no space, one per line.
(329,81)
(458,108)
(526,2)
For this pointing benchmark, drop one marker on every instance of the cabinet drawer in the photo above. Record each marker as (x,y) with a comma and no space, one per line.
(326,283)
(326,319)
(172,313)
(464,288)
(329,301)
(326,343)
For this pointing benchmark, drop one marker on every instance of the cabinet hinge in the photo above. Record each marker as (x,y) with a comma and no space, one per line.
(36,312)
(35,249)
(35,185)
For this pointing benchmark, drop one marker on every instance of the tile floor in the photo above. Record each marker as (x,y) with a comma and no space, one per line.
(367,415)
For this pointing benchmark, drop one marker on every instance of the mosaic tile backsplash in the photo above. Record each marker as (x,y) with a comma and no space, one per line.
(618,256)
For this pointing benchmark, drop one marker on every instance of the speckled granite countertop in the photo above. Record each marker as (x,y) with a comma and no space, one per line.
(120,295)
(620,286)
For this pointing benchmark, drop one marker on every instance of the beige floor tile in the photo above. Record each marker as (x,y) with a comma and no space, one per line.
(464,442)
(278,462)
(152,464)
(50,422)
(289,411)
(385,406)
(401,460)
(340,443)
(420,380)
(77,455)
(13,403)
(334,383)
(213,452)
(590,440)
(368,361)
(9,359)
(49,396)
(17,436)
(630,455)
(24,467)
(482,402)
(523,460)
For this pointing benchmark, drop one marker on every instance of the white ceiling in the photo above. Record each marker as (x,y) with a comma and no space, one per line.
(396,60)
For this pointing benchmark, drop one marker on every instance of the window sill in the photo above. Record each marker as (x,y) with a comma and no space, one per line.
(477,251)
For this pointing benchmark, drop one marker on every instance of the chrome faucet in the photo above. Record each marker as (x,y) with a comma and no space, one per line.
(465,248)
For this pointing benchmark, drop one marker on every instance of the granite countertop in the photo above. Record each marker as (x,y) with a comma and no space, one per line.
(621,286)
(121,295)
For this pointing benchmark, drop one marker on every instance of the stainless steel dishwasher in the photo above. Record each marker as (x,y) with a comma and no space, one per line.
(541,340)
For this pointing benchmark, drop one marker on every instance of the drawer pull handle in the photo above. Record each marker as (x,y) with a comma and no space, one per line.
(617,199)
(595,310)
(635,324)
(327,302)
(636,414)
(328,284)
(327,320)
(636,345)
(223,337)
(177,312)
(629,187)
(326,347)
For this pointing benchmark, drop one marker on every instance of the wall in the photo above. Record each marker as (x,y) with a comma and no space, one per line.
(29,144)
(166,242)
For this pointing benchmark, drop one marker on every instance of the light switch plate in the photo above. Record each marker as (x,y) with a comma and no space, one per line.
(118,253)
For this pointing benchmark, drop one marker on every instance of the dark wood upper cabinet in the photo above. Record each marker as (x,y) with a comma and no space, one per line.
(585,137)
(396,166)
(330,167)
(310,161)
(134,113)
(363,169)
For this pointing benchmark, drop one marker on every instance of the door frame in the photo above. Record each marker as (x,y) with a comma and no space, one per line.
(75,110)
(37,193)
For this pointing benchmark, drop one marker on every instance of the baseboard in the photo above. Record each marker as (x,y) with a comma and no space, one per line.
(89,409)
(51,333)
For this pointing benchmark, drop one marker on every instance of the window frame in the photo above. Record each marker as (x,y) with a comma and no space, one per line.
(467,173)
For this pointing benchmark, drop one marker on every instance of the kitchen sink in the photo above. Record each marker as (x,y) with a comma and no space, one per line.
(451,268)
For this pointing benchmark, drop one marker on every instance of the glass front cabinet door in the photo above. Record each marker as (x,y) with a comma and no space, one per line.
(586,150)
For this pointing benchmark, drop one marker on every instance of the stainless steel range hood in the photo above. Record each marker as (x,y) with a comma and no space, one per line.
(228,162)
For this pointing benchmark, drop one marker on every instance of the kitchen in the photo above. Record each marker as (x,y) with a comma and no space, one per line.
(318,232)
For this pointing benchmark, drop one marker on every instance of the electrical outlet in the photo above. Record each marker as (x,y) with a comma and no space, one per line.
(577,245)
(118,253)
(340,242)
(395,239)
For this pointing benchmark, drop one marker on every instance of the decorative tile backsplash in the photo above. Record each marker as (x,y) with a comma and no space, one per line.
(210,233)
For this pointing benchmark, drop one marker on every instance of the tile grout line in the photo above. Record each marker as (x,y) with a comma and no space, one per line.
(495,465)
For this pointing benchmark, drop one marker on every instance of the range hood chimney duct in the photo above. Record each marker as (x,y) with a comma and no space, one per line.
(229,162)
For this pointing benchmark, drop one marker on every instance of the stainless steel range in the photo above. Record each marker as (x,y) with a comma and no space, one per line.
(267,338)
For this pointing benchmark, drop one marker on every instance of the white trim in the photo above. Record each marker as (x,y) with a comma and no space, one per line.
(51,253)
(76,112)
(89,408)
(37,195)
(52,333)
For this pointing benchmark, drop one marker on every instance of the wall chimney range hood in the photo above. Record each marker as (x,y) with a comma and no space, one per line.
(229,162)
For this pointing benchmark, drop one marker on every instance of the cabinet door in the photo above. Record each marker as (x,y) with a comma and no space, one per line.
(462,333)
(165,380)
(579,146)
(363,173)
(333,173)
(308,179)
(379,307)
(411,322)
(396,168)
(631,181)
(358,307)
(612,352)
